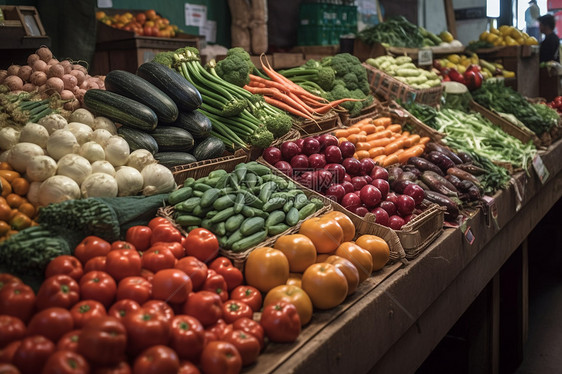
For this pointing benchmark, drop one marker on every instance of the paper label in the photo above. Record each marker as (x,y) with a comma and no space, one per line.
(195,15)
(541,170)
(105,4)
(491,211)
(209,31)
(425,57)
(469,236)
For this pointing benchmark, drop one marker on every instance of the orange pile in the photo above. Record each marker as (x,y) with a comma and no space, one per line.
(146,23)
(16,212)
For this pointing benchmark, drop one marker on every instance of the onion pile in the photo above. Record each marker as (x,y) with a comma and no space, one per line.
(49,76)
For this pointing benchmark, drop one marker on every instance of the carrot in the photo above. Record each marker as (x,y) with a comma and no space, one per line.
(356,138)
(369,128)
(397,153)
(362,154)
(380,128)
(377,151)
(362,146)
(364,121)
(287,108)
(411,140)
(405,134)
(298,100)
(389,160)
(379,159)
(354,130)
(382,121)
(379,135)
(395,128)
(380,142)
(362,132)
(341,133)
(342,139)
(9,175)
(424,140)
(394,146)
(323,109)
(414,151)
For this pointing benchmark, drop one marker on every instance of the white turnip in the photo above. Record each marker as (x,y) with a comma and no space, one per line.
(69,81)
(40,65)
(80,76)
(14,83)
(32,58)
(29,87)
(55,84)
(53,61)
(25,73)
(38,78)
(56,71)
(3,75)
(67,65)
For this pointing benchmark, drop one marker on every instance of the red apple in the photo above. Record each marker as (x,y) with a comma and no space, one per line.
(322,179)
(285,168)
(389,207)
(379,172)
(358,183)
(405,205)
(416,192)
(381,215)
(310,146)
(333,154)
(367,165)
(272,155)
(299,143)
(347,149)
(299,162)
(383,186)
(352,166)
(327,140)
(370,196)
(348,186)
(347,178)
(289,150)
(317,161)
(351,201)
(336,192)
(396,222)
(361,211)
(392,197)
(338,172)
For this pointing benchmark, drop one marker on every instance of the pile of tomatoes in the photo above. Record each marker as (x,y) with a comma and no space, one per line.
(147,23)
(158,302)
(556,104)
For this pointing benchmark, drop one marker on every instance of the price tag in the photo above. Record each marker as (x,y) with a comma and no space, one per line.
(469,236)
(541,170)
(425,57)
(491,211)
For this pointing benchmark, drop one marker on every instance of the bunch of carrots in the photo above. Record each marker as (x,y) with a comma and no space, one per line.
(383,141)
(284,94)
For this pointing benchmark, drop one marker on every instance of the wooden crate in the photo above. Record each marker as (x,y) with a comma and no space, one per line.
(202,168)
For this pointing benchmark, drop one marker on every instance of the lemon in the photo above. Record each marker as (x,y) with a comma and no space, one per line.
(446,36)
(510,41)
(484,35)
(492,38)
(521,41)
(454,58)
(504,29)
(515,34)
(494,31)
(531,41)
(461,69)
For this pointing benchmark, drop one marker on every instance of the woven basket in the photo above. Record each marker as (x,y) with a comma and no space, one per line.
(391,88)
(419,233)
(201,169)
(328,122)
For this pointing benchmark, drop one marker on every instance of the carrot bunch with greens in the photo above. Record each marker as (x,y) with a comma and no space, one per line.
(382,141)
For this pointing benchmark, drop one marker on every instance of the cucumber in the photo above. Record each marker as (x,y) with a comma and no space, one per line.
(288,205)
(120,109)
(300,201)
(188,229)
(222,183)
(266,190)
(173,139)
(249,241)
(200,186)
(251,180)
(171,159)
(292,217)
(224,202)
(233,222)
(317,202)
(209,197)
(196,123)
(209,148)
(240,174)
(307,210)
(233,181)
(173,84)
(206,224)
(223,241)
(258,168)
(189,182)
(188,220)
(220,229)
(275,218)
(235,237)
(217,173)
(239,203)
(134,87)
(223,215)
(274,203)
(199,211)
(247,211)
(277,229)
(252,225)
(197,193)
(138,139)
(211,213)
(179,195)
(189,204)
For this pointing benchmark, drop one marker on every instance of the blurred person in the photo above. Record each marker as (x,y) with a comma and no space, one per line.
(531,19)
(550,46)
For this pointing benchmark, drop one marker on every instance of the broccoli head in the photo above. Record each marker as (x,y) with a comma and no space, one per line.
(312,63)
(236,67)
(325,78)
(339,91)
(191,53)
(351,81)
(165,58)
(342,63)
(234,107)
(262,138)
(238,51)
(368,101)
(279,125)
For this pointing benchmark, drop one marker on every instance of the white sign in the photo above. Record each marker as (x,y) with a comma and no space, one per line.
(209,31)
(425,57)
(195,15)
(105,4)
(541,170)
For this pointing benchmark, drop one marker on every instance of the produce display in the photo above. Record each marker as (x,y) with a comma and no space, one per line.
(397,31)
(556,104)
(14,189)
(405,71)
(146,23)
(507,36)
(455,63)
(242,208)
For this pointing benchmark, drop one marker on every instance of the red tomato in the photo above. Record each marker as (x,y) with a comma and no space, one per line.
(157,221)
(85,310)
(69,341)
(157,360)
(18,300)
(6,278)
(251,327)
(91,246)
(162,307)
(66,362)
(235,309)
(248,294)
(123,307)
(134,288)
(247,345)
(11,329)
(171,285)
(197,270)
(158,258)
(206,306)
(281,322)
(32,354)
(58,290)
(139,236)
(232,275)
(202,244)
(95,263)
(187,367)
(7,353)
(122,263)
(220,357)
(216,283)
(176,248)
(103,341)
(52,323)
(68,265)
(146,328)
(147,274)
(187,337)
(9,369)
(165,233)
(122,244)
(121,368)
(219,329)
(210,336)
(99,286)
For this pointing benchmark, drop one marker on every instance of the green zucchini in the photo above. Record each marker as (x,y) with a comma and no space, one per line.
(120,109)
(249,241)
(209,148)
(134,87)
(171,159)
(173,84)
(180,195)
(138,139)
(173,139)
(252,225)
(196,123)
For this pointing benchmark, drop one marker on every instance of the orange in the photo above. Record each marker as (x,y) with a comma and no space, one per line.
(326,234)
(359,257)
(20,221)
(5,187)
(28,209)
(20,186)
(4,228)
(14,200)
(348,269)
(323,256)
(5,211)
(266,268)
(294,295)
(345,223)
(5,166)
(378,249)
(295,279)
(325,284)
(298,249)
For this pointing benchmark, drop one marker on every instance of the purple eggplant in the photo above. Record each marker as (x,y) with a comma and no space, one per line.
(400,185)
(393,174)
(441,160)
(423,165)
(442,200)
(465,157)
(459,173)
(412,169)
(446,151)
(438,183)
(472,169)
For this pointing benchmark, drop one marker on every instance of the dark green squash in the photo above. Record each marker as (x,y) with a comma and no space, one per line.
(209,148)
(138,139)
(173,139)
(196,123)
(171,159)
